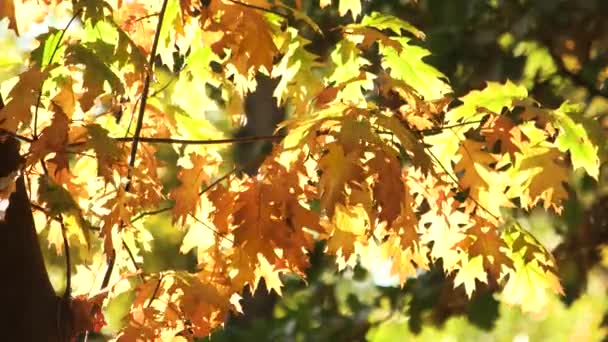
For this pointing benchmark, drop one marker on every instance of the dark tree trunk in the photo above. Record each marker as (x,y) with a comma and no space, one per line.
(30,310)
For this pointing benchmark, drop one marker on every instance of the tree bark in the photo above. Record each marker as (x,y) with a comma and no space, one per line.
(30,310)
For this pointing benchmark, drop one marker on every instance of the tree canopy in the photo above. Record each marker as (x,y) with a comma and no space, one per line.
(418,146)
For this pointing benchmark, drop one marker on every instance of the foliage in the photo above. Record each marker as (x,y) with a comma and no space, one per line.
(380,157)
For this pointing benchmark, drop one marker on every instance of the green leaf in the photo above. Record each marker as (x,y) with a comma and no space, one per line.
(104,146)
(494,97)
(58,199)
(388,22)
(49,41)
(112,44)
(395,328)
(573,137)
(347,61)
(444,147)
(348,72)
(539,65)
(96,72)
(533,281)
(407,65)
(297,72)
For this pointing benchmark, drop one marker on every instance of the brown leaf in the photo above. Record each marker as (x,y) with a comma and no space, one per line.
(187,196)
(22,97)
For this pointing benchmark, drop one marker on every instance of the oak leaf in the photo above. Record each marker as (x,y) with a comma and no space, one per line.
(337,170)
(17,110)
(187,196)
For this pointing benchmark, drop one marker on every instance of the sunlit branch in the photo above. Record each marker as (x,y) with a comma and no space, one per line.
(132,257)
(146,17)
(151,213)
(205,142)
(160,279)
(448,127)
(211,229)
(259,8)
(169,207)
(455,180)
(138,127)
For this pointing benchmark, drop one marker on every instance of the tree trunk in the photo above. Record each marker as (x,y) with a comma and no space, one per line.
(30,309)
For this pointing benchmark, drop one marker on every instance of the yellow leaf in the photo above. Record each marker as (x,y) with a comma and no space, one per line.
(348,229)
(470,270)
(338,169)
(270,274)
(546,172)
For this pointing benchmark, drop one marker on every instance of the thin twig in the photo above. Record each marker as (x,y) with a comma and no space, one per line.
(132,257)
(455,180)
(207,188)
(160,279)
(219,180)
(165,86)
(145,17)
(39,208)
(35,133)
(211,229)
(185,141)
(202,142)
(23,138)
(431,130)
(267,10)
(144,96)
(152,212)
(108,274)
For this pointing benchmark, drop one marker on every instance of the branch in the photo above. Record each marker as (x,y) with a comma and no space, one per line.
(219,180)
(138,126)
(160,279)
(144,96)
(202,142)
(439,129)
(212,229)
(124,244)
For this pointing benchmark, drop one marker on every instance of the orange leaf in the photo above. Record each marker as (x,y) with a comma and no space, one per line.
(22,97)
(187,196)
